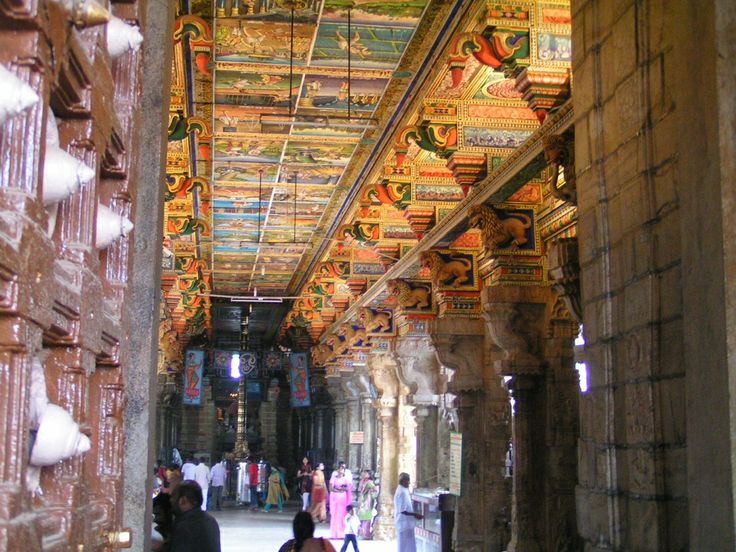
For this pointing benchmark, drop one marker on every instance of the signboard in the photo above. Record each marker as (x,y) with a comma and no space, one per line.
(299,380)
(356,437)
(456,462)
(193,368)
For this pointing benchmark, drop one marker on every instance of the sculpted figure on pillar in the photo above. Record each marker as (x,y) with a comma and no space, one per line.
(419,369)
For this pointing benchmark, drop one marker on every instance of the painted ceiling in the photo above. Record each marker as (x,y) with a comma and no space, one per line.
(311,146)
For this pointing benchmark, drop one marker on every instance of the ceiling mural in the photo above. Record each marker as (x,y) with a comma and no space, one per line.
(294,92)
(312,146)
(501,75)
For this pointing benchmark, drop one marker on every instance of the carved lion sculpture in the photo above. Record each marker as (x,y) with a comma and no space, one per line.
(495,231)
(442,271)
(407,297)
(374,322)
(352,336)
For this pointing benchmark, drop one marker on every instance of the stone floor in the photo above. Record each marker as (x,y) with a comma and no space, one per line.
(243,530)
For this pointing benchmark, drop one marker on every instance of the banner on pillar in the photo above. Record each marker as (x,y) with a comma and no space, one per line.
(456,463)
(299,380)
(193,369)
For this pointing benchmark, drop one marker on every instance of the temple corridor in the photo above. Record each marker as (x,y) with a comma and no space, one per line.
(484,244)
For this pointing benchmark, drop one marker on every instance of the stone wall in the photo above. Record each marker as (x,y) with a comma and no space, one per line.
(651,247)
(66,298)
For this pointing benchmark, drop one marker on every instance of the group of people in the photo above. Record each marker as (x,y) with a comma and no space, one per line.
(405,519)
(180,520)
(181,523)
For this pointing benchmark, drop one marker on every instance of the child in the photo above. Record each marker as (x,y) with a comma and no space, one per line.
(352,524)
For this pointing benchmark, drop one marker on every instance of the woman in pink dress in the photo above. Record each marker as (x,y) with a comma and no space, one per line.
(341,494)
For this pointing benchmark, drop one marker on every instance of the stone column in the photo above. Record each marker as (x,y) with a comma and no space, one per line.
(319,430)
(459,348)
(354,420)
(427,446)
(241,443)
(528,478)
(515,318)
(383,372)
(419,371)
(367,423)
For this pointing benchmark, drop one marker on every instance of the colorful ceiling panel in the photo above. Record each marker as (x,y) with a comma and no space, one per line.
(296,86)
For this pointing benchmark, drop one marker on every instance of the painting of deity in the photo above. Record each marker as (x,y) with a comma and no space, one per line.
(370,12)
(253,150)
(262,42)
(245,172)
(259,91)
(398,232)
(325,93)
(313,153)
(494,138)
(310,174)
(429,192)
(551,47)
(371,47)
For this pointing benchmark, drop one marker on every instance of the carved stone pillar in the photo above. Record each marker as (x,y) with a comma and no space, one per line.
(427,446)
(319,431)
(515,318)
(368,422)
(354,420)
(383,372)
(419,371)
(528,469)
(459,348)
(340,409)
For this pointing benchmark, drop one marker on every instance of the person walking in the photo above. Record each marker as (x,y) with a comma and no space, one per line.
(340,496)
(194,530)
(404,515)
(352,524)
(217,483)
(277,491)
(187,470)
(318,509)
(304,482)
(255,500)
(367,495)
(202,477)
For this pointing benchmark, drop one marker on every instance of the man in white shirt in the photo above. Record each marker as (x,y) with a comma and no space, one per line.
(187,470)
(202,476)
(404,515)
(217,482)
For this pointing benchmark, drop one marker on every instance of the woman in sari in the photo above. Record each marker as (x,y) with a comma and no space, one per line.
(318,509)
(341,494)
(367,494)
(277,491)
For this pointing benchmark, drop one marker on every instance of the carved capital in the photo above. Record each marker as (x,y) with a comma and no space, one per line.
(559,151)
(382,368)
(459,347)
(564,271)
(515,321)
(419,370)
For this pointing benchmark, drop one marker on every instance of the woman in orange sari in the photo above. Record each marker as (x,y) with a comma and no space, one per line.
(318,509)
